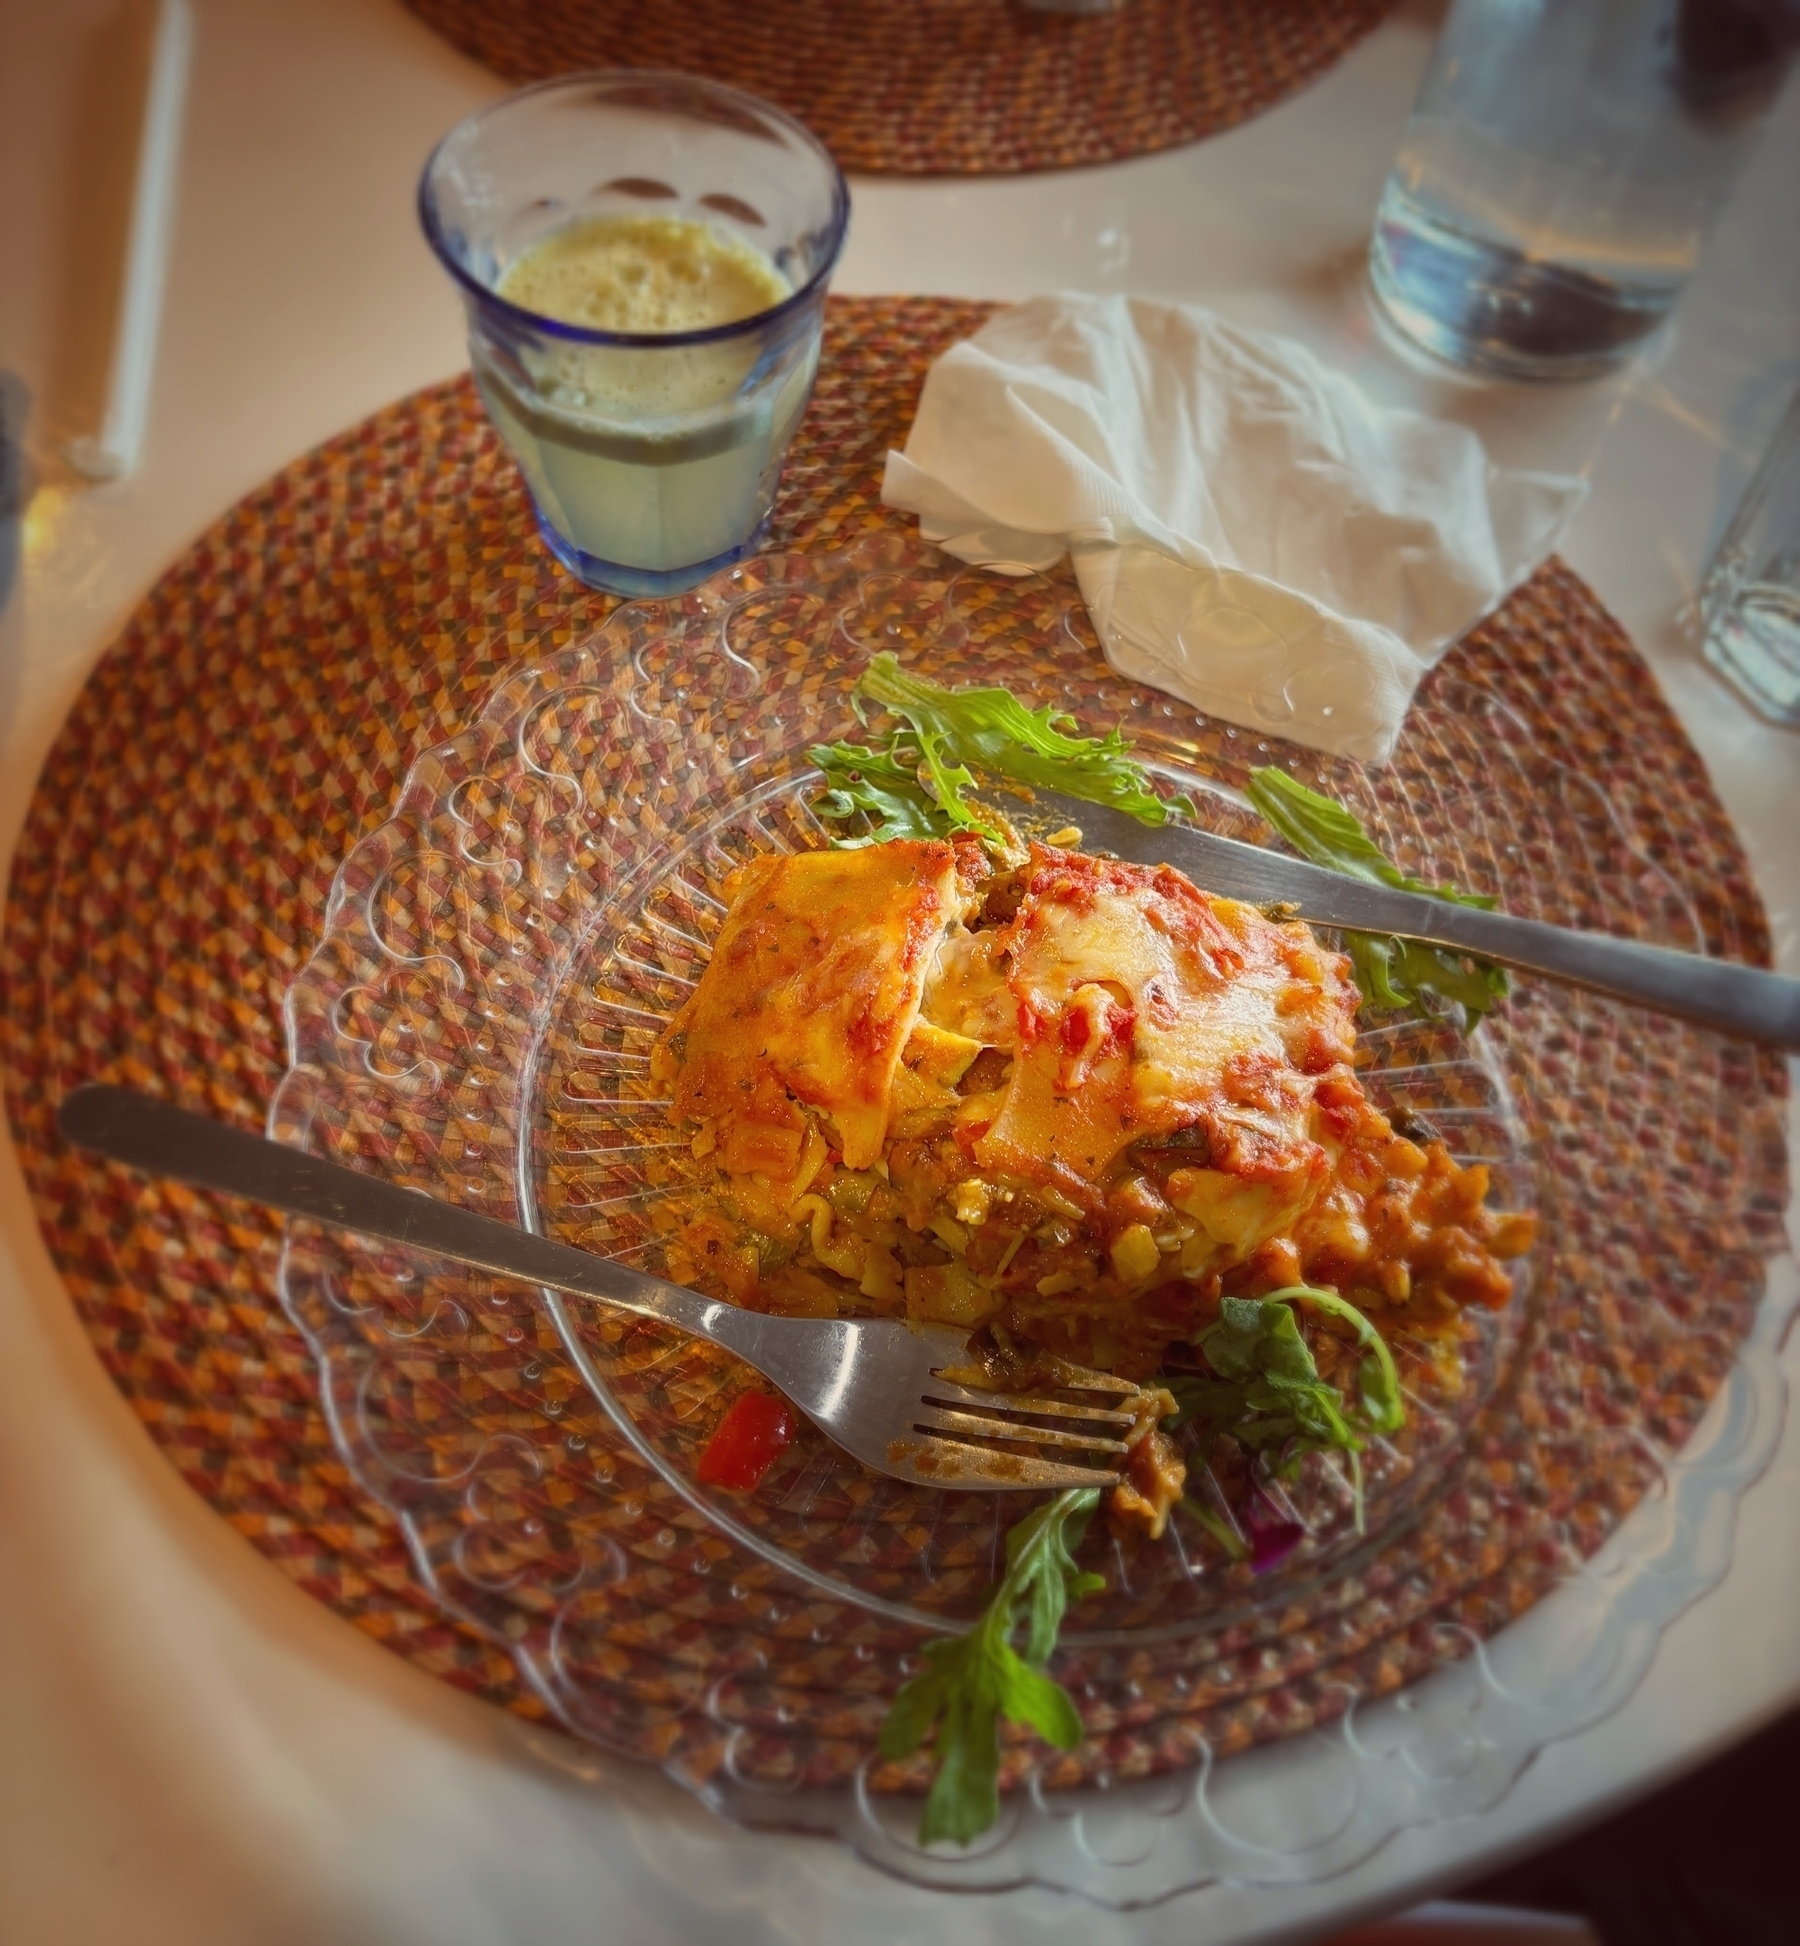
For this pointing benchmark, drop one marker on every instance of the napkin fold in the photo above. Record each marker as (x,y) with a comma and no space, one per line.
(1250,533)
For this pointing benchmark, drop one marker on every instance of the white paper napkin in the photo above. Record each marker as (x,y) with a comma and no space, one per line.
(1249,532)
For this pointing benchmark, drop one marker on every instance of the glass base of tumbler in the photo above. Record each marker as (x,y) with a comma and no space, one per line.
(1753,640)
(614,578)
(1487,307)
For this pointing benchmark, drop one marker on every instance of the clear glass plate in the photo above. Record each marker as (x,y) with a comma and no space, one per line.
(499,958)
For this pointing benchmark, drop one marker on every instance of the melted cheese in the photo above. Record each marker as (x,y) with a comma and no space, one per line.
(1147,1007)
(812,992)
(966,991)
(1132,1006)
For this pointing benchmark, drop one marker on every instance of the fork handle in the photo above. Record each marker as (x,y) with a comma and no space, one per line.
(163,1140)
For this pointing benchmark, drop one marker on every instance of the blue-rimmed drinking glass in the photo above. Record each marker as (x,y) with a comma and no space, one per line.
(652,458)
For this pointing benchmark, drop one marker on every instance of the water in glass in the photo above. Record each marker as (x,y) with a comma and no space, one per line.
(1562,165)
(1750,599)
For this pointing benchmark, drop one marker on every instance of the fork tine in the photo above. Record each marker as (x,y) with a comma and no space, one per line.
(1071,1378)
(1079,1378)
(941,1394)
(948,1462)
(941,1420)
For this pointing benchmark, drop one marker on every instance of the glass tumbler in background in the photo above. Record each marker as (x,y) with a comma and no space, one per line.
(1563,163)
(1750,598)
(652,458)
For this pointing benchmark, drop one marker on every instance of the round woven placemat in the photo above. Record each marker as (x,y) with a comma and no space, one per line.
(255,720)
(945,87)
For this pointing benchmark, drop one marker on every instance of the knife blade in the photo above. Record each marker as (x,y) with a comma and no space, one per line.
(1735,999)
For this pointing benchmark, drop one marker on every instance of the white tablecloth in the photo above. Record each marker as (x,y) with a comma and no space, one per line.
(192,1750)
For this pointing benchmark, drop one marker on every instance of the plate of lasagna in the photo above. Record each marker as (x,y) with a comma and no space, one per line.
(729,943)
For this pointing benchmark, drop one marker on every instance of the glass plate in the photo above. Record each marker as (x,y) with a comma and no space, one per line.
(498,959)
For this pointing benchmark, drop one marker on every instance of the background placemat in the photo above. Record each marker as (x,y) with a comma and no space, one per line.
(255,720)
(944,87)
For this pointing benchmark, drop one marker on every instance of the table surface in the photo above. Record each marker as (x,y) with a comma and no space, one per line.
(193,1749)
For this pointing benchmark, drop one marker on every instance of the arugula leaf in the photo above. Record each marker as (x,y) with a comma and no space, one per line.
(1217,1527)
(1377,1377)
(970,1681)
(917,781)
(993,729)
(1391,973)
(861,778)
(1267,1392)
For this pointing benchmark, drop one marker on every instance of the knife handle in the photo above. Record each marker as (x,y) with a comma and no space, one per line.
(1719,993)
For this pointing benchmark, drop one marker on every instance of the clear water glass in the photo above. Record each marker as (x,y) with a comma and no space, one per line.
(1563,163)
(1750,598)
(652,459)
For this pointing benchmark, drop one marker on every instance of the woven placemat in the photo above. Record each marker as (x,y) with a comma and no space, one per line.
(945,87)
(255,720)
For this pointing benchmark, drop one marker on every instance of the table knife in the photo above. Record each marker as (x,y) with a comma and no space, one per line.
(1736,999)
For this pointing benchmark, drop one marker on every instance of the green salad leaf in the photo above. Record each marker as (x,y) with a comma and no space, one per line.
(1390,972)
(917,781)
(970,1681)
(1220,1529)
(878,783)
(1267,1392)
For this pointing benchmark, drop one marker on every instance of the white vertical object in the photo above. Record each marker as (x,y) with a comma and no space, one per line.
(114,450)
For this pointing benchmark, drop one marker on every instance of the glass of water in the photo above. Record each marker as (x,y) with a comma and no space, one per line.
(1750,599)
(643,260)
(1563,163)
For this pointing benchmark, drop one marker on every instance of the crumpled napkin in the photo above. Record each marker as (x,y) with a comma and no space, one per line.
(1249,531)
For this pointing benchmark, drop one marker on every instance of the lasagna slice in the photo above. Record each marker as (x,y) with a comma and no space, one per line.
(1074,1103)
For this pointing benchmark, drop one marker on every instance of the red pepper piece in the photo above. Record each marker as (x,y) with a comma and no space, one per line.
(756,1430)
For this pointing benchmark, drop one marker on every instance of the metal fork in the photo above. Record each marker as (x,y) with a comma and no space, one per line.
(872,1384)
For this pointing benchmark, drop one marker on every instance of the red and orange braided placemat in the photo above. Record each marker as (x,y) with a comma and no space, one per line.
(945,87)
(255,720)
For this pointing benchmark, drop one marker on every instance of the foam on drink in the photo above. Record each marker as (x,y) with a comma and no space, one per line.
(652,456)
(643,273)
